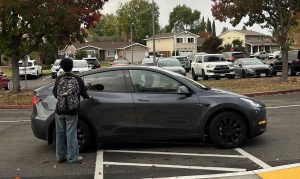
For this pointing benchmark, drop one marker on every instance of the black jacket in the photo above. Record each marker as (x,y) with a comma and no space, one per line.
(83,92)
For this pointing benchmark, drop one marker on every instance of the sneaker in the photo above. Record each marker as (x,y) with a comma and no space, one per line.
(79,160)
(62,160)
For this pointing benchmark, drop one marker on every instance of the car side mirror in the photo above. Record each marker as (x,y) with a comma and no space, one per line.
(183,90)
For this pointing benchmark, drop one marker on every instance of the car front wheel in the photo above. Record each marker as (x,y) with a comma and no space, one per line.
(227,130)
(204,77)
(194,76)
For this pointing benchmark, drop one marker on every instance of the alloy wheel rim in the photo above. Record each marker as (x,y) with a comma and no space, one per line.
(81,137)
(229,130)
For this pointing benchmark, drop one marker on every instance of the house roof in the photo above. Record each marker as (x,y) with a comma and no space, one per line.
(105,45)
(246,32)
(169,35)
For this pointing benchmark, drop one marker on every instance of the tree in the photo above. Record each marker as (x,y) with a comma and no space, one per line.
(244,27)
(203,25)
(212,45)
(185,18)
(80,54)
(139,14)
(214,29)
(238,45)
(108,26)
(208,26)
(26,25)
(274,14)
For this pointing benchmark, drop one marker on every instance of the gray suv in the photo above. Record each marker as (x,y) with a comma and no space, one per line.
(138,103)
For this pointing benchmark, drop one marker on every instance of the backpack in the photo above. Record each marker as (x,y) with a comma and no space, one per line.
(67,94)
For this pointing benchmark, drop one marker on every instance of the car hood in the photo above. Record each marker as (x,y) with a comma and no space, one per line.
(219,92)
(257,66)
(218,63)
(175,68)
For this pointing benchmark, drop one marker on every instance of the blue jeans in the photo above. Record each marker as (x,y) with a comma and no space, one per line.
(66,137)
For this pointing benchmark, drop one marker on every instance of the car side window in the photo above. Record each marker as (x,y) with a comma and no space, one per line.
(148,81)
(112,81)
(199,59)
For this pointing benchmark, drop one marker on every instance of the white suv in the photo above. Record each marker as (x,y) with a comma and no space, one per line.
(212,66)
(32,68)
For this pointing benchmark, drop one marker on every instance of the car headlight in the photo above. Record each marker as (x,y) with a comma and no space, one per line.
(251,102)
(209,66)
(230,65)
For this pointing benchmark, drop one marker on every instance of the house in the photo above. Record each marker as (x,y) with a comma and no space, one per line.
(184,42)
(252,41)
(106,51)
(295,32)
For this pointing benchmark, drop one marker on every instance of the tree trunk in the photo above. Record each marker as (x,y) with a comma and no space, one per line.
(15,75)
(284,76)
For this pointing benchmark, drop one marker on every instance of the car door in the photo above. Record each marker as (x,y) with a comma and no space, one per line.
(161,112)
(112,110)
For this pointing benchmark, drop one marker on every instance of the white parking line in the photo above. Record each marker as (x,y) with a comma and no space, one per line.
(99,165)
(15,121)
(176,166)
(173,153)
(46,78)
(277,107)
(252,158)
(210,176)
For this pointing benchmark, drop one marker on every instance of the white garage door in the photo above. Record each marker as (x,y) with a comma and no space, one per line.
(137,56)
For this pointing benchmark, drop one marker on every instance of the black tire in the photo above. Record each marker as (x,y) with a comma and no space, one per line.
(194,76)
(85,137)
(272,71)
(7,87)
(204,77)
(231,77)
(187,70)
(227,130)
(41,73)
(290,71)
(243,75)
(218,78)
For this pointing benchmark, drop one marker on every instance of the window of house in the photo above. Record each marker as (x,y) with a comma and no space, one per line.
(111,53)
(191,40)
(179,40)
(112,81)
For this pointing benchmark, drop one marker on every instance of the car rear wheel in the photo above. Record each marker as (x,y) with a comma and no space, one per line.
(85,137)
(194,76)
(227,130)
(7,87)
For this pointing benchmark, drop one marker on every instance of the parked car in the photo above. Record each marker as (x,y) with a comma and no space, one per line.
(79,66)
(276,55)
(246,67)
(260,55)
(120,62)
(293,63)
(212,66)
(171,64)
(92,62)
(148,62)
(185,63)
(138,103)
(232,56)
(4,81)
(32,68)
(55,67)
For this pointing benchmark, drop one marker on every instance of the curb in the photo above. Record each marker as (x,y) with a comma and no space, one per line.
(268,93)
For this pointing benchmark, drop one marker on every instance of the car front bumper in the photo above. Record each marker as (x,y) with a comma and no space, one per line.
(258,122)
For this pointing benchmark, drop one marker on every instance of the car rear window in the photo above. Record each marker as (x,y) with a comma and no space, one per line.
(238,55)
(92,61)
(23,64)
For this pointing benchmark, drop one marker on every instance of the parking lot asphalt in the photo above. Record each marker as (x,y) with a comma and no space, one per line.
(22,155)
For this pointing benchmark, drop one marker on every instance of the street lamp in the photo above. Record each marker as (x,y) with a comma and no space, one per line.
(131,24)
(153,31)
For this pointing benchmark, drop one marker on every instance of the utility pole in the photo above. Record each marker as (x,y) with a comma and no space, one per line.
(153,32)
(131,42)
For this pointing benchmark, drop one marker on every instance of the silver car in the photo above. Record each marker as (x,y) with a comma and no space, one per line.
(171,64)
(251,67)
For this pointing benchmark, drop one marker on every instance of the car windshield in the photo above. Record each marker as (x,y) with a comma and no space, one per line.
(252,62)
(23,64)
(181,59)
(239,55)
(79,64)
(92,61)
(168,63)
(56,63)
(214,58)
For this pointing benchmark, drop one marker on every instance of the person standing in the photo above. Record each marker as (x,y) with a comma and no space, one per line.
(67,89)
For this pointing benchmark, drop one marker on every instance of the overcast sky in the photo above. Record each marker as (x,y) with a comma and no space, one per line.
(166,6)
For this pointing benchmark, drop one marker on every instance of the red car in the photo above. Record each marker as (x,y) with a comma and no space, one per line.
(4,81)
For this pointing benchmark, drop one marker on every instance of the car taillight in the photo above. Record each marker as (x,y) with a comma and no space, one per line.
(34,100)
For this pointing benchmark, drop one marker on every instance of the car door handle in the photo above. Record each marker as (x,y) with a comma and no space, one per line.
(144,100)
